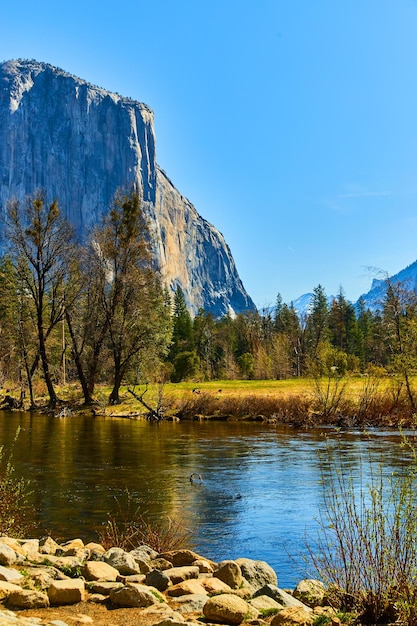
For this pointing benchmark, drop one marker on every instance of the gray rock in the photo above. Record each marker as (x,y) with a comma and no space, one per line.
(144,553)
(257,573)
(122,561)
(135,595)
(310,591)
(52,118)
(191,603)
(158,579)
(282,597)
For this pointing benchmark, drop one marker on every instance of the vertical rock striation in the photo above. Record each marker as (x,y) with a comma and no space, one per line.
(80,143)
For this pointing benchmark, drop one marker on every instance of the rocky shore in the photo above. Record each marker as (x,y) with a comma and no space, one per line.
(44,583)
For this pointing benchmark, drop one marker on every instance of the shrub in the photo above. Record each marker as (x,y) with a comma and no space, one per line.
(128,529)
(17,517)
(366,548)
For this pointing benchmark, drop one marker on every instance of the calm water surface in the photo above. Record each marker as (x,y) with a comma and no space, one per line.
(260,493)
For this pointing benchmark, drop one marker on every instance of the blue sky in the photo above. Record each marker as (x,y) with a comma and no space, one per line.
(291,125)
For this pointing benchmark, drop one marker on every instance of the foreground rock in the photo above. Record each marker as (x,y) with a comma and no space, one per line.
(170,589)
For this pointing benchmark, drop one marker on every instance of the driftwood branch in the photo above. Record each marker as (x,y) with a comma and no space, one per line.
(152,414)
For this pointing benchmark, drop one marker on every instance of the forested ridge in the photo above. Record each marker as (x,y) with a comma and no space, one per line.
(97,312)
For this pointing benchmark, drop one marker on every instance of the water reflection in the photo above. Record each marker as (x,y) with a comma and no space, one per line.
(261,484)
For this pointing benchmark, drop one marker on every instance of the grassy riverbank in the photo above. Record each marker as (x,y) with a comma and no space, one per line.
(351,401)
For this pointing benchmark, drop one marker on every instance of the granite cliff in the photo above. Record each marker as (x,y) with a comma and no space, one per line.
(80,143)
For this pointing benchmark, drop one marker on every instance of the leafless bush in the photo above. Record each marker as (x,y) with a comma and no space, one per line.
(128,529)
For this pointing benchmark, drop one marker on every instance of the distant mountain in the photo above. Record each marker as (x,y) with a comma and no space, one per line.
(303,304)
(80,143)
(374,298)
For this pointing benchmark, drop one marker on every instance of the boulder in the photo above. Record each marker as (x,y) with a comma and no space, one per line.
(160,564)
(282,597)
(191,603)
(185,588)
(8,556)
(265,603)
(204,566)
(98,570)
(70,545)
(230,573)
(145,553)
(293,616)
(10,575)
(226,608)
(134,595)
(96,548)
(42,577)
(7,588)
(68,591)
(214,585)
(123,561)
(158,579)
(30,548)
(104,588)
(47,545)
(180,557)
(28,599)
(178,574)
(310,591)
(257,573)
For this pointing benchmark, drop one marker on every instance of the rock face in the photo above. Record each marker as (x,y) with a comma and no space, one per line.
(80,143)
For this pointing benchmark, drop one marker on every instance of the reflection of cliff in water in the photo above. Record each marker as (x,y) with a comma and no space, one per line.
(260,490)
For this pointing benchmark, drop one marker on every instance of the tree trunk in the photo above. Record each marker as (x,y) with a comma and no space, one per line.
(77,359)
(53,399)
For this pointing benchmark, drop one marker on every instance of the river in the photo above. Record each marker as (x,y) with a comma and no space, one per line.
(261,486)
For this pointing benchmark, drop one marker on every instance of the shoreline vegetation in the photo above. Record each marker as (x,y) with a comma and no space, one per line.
(352,401)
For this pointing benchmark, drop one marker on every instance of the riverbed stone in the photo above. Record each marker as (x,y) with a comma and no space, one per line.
(122,561)
(186,587)
(158,579)
(94,547)
(7,588)
(30,548)
(257,573)
(204,566)
(68,591)
(293,616)
(226,608)
(264,603)
(104,587)
(135,595)
(160,563)
(191,603)
(214,585)
(230,573)
(99,570)
(179,574)
(180,557)
(144,552)
(28,599)
(43,576)
(282,596)
(310,591)
(8,556)
(47,545)
(70,545)
(10,575)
